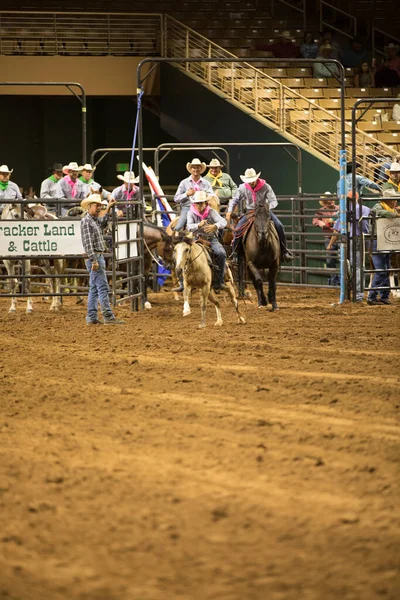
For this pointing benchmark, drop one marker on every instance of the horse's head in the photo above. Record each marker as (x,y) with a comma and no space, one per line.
(261,219)
(181,254)
(167,245)
(11,211)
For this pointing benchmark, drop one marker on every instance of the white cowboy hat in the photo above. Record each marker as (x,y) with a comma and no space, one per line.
(326,196)
(394,168)
(250,175)
(87,167)
(391,194)
(73,166)
(392,45)
(285,34)
(214,162)
(196,161)
(199,196)
(5,169)
(128,177)
(92,199)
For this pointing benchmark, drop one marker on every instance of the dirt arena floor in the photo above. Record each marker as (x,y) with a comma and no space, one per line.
(156,461)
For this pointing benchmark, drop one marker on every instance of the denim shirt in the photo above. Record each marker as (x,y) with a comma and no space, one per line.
(186,184)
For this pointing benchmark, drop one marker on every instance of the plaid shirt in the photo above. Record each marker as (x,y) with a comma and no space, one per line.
(92,236)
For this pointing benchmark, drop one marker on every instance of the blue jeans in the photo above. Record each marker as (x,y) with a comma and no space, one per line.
(331,263)
(381,261)
(98,291)
(181,224)
(356,270)
(219,255)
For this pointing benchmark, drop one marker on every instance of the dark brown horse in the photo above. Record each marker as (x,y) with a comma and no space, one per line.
(262,251)
(157,244)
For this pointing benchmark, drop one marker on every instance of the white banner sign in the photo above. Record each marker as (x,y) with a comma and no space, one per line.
(126,231)
(388,234)
(40,238)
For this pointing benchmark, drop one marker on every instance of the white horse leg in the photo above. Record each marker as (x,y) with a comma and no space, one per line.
(186,298)
(212,296)
(29,302)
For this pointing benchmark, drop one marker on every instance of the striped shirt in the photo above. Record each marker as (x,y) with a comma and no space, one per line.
(92,236)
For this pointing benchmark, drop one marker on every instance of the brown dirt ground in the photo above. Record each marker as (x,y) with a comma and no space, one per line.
(156,461)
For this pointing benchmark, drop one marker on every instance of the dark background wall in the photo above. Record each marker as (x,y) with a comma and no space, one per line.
(190,112)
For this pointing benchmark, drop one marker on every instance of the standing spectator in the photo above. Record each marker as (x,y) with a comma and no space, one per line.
(94,247)
(309,47)
(48,189)
(384,209)
(8,189)
(188,187)
(69,187)
(392,51)
(356,264)
(393,183)
(325,70)
(222,184)
(284,48)
(325,219)
(364,76)
(361,182)
(355,54)
(385,76)
(128,191)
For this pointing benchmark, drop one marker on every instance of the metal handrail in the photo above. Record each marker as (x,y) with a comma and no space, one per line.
(386,35)
(75,33)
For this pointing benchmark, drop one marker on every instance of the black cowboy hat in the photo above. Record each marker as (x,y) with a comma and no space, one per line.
(349,166)
(57,167)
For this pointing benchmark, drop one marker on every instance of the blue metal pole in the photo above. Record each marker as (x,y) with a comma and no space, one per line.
(343,226)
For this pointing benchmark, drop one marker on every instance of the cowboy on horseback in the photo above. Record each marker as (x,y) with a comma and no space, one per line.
(252,192)
(206,222)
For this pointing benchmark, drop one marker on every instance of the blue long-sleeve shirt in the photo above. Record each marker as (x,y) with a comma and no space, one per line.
(361,182)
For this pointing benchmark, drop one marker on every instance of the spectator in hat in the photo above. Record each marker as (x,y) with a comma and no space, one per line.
(362,228)
(48,189)
(392,52)
(8,189)
(393,183)
(324,70)
(69,187)
(325,219)
(385,209)
(205,220)
(91,186)
(222,184)
(361,182)
(284,48)
(128,191)
(188,187)
(94,247)
(250,193)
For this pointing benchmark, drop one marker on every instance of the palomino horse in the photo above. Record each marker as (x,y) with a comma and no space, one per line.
(262,251)
(193,262)
(13,212)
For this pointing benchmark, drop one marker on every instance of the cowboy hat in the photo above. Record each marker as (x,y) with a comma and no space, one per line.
(195,162)
(392,45)
(325,197)
(128,177)
(391,193)
(57,167)
(285,34)
(5,169)
(73,166)
(326,46)
(87,167)
(92,199)
(199,196)
(394,168)
(214,162)
(250,175)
